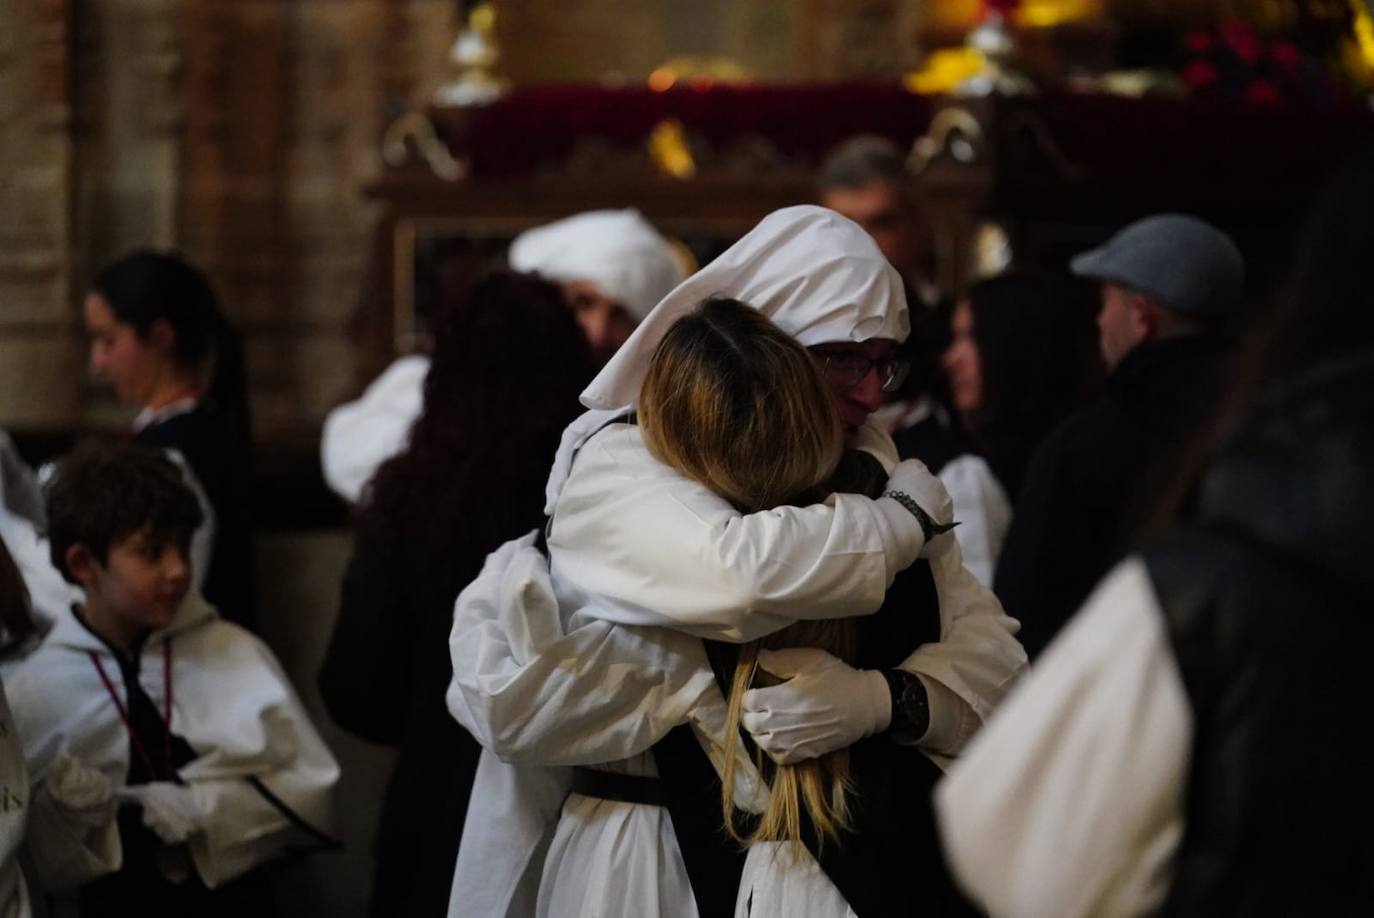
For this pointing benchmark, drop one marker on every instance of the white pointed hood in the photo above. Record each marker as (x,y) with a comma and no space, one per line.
(617,250)
(817,275)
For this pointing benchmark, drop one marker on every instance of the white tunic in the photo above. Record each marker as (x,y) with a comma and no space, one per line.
(14,811)
(360,435)
(21,509)
(585,679)
(231,702)
(983,510)
(1069,802)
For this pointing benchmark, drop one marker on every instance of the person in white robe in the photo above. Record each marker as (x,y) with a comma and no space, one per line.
(1024,812)
(230,701)
(14,781)
(613,267)
(636,544)
(242,777)
(21,518)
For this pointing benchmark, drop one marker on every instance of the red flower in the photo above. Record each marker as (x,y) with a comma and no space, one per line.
(1199,42)
(1284,54)
(1260,92)
(1242,40)
(1199,75)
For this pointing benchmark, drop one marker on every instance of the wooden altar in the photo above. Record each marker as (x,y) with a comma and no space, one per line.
(1057,172)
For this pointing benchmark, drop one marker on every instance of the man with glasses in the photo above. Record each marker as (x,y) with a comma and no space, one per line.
(860,373)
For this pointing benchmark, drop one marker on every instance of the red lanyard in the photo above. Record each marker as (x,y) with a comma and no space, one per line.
(128,722)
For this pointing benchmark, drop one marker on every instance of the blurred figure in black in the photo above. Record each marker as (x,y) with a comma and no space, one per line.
(1169,284)
(1189,745)
(507,367)
(1020,358)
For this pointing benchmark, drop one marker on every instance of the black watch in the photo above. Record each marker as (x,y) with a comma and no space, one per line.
(910,704)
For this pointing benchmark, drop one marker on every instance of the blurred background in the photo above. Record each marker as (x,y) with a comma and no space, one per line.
(337,166)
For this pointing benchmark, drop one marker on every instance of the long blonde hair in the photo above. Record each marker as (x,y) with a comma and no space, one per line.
(733,402)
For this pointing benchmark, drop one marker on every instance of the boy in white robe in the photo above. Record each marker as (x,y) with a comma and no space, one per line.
(168,753)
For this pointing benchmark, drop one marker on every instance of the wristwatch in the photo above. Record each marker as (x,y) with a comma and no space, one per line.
(910,704)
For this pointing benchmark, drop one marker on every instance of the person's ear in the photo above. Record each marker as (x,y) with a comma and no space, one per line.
(81,563)
(162,337)
(1144,316)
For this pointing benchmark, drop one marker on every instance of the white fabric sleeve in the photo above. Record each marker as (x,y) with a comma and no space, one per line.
(982,510)
(531,693)
(203,539)
(20,492)
(50,594)
(976,659)
(242,829)
(65,856)
(656,548)
(1069,802)
(360,435)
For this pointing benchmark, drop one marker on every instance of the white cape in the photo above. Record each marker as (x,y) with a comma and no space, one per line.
(231,702)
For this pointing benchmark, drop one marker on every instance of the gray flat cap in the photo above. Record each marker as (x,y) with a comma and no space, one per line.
(1180,262)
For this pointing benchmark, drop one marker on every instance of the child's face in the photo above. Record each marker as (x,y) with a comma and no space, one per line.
(142,581)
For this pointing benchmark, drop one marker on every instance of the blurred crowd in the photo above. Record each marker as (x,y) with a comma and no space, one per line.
(775,586)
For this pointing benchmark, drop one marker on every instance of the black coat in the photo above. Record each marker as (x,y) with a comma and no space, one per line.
(221,459)
(384,678)
(1090,479)
(1267,593)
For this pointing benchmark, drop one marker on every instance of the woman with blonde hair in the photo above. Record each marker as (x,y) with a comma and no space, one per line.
(556,658)
(731,401)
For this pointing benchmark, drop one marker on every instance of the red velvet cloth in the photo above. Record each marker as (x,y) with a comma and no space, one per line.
(1134,145)
(534,128)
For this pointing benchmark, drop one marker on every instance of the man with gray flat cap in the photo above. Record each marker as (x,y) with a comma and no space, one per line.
(1171,285)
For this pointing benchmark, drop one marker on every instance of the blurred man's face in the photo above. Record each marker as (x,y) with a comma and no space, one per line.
(605,322)
(1122,323)
(882,210)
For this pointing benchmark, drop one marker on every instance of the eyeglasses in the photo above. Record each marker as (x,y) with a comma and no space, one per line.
(848,370)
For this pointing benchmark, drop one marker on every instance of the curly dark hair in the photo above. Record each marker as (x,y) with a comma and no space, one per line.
(508,363)
(102,494)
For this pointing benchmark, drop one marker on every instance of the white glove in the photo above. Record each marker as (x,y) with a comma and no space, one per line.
(82,794)
(913,479)
(824,705)
(170,810)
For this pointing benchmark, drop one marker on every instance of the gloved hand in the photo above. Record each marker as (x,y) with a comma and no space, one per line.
(80,793)
(169,809)
(824,705)
(912,478)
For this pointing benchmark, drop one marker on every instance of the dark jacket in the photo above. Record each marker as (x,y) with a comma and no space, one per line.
(384,678)
(1267,594)
(221,460)
(1090,478)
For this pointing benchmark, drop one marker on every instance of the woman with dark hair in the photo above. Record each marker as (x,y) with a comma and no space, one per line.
(507,367)
(1190,743)
(159,338)
(1018,361)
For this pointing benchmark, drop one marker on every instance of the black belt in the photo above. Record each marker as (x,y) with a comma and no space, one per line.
(606,785)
